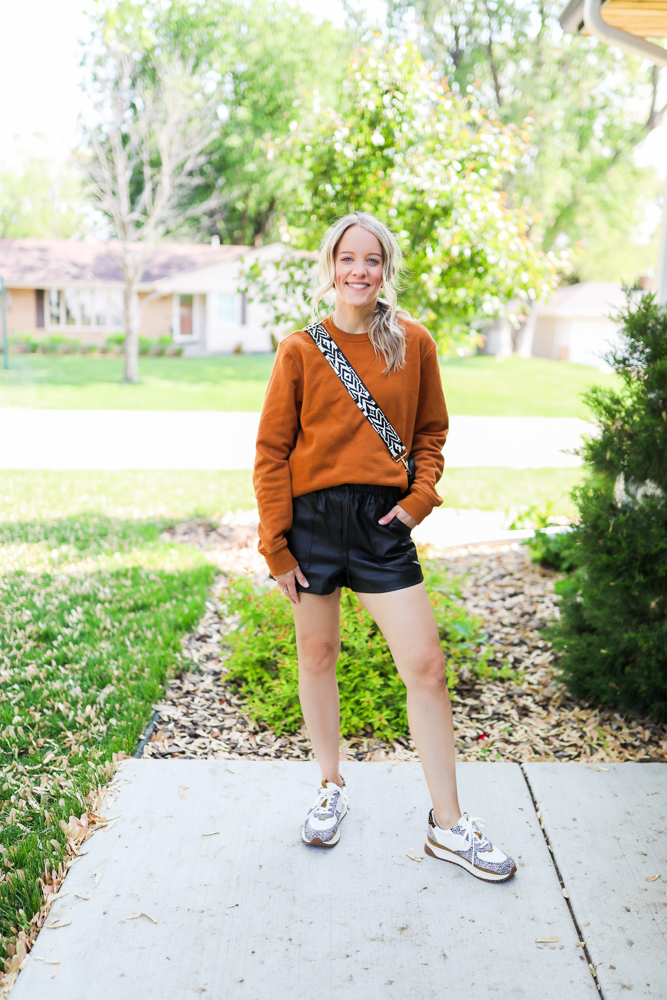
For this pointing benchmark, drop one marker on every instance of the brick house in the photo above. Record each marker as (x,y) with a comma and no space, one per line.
(189,292)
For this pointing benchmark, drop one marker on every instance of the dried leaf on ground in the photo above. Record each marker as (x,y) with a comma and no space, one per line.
(135,916)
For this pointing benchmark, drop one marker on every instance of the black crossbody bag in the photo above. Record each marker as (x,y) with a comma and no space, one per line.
(362,398)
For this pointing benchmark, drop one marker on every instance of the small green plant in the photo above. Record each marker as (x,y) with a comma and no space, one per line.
(533,517)
(114,343)
(24,345)
(555,551)
(56,344)
(263,665)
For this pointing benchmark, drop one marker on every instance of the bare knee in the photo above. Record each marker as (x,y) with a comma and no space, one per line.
(429,674)
(318,657)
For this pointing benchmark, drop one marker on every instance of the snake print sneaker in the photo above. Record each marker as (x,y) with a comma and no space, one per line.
(321,827)
(465,845)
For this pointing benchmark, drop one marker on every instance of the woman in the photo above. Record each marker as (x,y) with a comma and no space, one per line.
(334,512)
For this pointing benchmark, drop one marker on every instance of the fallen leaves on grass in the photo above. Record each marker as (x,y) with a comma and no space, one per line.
(77,830)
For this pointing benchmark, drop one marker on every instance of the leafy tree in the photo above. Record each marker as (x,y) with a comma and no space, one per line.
(42,199)
(143,155)
(590,103)
(266,55)
(613,626)
(400,144)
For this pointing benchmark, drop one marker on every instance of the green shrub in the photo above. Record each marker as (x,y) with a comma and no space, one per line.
(555,551)
(56,344)
(114,342)
(24,344)
(263,665)
(613,627)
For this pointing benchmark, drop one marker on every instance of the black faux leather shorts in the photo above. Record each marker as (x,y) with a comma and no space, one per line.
(337,541)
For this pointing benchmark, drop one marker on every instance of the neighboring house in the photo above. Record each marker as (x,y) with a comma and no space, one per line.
(189,292)
(575,324)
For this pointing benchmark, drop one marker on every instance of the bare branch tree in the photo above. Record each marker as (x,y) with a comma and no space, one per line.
(143,156)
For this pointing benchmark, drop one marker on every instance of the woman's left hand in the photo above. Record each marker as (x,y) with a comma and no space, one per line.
(401,514)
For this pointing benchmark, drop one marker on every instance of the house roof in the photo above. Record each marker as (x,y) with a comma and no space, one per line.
(644,18)
(33,263)
(222,276)
(592,299)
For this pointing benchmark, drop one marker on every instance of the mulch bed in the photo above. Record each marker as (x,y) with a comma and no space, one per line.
(530,717)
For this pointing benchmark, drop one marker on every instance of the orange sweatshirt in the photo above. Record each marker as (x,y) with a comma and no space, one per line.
(313,436)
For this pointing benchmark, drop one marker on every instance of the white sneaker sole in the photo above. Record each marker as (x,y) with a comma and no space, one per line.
(443,854)
(317,841)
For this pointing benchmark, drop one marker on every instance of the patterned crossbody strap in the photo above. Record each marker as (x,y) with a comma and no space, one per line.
(359,393)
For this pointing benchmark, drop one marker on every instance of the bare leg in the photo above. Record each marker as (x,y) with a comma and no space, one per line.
(317,622)
(408,624)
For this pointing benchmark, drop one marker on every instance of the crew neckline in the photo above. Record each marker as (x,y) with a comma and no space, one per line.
(349,338)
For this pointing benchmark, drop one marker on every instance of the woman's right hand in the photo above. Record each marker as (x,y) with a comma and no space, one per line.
(287,583)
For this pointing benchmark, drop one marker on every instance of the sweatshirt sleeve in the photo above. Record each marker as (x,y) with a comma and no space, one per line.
(430,434)
(272,480)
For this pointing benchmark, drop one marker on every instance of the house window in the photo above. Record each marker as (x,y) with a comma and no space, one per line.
(225,309)
(70,308)
(55,298)
(85,307)
(114,301)
(100,309)
(185,315)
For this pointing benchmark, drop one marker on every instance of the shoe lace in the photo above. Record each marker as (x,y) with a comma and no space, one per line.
(473,834)
(324,793)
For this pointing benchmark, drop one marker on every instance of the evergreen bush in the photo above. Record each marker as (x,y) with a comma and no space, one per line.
(613,626)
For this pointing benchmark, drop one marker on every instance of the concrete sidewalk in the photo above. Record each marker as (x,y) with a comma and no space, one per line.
(235,906)
(149,439)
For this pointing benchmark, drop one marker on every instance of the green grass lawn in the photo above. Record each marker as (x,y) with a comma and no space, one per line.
(164,496)
(477,386)
(92,609)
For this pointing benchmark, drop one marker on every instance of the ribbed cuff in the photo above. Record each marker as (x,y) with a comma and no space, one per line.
(417,506)
(280,562)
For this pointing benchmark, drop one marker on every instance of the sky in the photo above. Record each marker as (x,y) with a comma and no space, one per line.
(40,96)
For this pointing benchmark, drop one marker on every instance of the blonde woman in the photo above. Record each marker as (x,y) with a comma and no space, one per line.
(335,511)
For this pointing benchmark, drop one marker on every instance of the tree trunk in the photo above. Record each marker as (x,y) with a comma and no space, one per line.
(525,335)
(132,318)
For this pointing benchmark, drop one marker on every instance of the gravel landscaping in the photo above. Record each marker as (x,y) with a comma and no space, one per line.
(529,717)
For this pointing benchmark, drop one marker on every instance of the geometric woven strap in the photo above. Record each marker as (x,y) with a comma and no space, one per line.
(357,390)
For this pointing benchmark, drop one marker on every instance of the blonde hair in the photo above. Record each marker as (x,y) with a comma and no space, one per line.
(385,333)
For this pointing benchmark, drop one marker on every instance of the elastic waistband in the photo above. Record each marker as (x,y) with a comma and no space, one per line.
(360,489)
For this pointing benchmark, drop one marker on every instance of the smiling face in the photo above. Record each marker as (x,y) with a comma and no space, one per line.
(358,268)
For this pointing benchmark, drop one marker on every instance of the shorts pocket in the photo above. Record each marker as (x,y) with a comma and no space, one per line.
(397,525)
(300,536)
